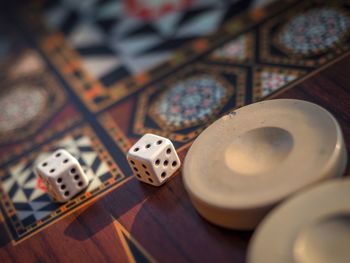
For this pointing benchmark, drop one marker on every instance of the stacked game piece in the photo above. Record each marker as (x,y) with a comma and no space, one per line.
(295,233)
(62,175)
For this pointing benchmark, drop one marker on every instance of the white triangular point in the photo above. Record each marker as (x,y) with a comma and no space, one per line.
(69,145)
(126,25)
(83,141)
(203,24)
(37,192)
(22,178)
(100,65)
(24,214)
(38,205)
(89,173)
(86,35)
(8,183)
(17,168)
(96,182)
(19,197)
(31,183)
(137,44)
(167,23)
(67,142)
(102,169)
(88,157)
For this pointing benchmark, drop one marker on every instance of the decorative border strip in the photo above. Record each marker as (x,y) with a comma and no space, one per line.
(115,132)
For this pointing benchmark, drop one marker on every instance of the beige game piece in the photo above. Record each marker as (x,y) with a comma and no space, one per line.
(251,159)
(313,226)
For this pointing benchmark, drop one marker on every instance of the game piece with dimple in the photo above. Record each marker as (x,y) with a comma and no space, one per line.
(62,175)
(311,226)
(255,157)
(153,159)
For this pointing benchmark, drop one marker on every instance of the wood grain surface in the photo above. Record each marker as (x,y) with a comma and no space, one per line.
(160,223)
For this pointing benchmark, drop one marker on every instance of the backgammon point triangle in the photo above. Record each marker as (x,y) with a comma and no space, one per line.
(133,249)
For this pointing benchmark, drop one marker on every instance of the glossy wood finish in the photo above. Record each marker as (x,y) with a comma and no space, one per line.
(162,220)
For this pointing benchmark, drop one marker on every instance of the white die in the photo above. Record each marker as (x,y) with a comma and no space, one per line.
(153,159)
(62,175)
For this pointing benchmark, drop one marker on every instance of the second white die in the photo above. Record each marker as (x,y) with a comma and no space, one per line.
(153,159)
(62,175)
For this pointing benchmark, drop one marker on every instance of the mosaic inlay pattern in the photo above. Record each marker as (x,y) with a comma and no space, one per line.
(237,50)
(23,194)
(314,31)
(190,101)
(272,81)
(19,106)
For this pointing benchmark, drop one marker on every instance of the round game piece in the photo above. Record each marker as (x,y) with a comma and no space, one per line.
(251,159)
(313,226)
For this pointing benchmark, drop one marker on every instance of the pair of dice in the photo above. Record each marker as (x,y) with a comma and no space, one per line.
(153,160)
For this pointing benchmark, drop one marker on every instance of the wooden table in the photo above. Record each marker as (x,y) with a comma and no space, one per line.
(163,219)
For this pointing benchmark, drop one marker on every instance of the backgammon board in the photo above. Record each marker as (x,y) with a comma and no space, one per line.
(94,76)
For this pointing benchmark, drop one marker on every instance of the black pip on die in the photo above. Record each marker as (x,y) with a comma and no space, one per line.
(153,159)
(62,175)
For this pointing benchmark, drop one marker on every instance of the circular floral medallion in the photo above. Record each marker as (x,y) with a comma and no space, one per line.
(314,31)
(19,105)
(191,101)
